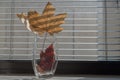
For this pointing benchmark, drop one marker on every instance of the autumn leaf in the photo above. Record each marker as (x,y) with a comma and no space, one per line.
(46,22)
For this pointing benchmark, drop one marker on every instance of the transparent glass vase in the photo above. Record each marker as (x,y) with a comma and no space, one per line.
(45,58)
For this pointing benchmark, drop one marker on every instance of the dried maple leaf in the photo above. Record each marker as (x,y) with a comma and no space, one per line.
(47,22)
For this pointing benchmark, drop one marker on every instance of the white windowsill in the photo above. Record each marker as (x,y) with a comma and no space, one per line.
(81,77)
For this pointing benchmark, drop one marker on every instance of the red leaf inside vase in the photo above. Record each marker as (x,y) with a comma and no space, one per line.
(47,58)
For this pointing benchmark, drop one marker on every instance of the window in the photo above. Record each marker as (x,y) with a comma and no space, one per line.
(109,31)
(88,32)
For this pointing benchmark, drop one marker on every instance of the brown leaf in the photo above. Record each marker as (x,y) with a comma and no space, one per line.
(46,22)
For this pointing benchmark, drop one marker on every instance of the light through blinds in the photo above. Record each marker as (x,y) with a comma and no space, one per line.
(78,41)
(83,37)
(109,30)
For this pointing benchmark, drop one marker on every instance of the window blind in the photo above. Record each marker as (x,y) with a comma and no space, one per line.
(78,41)
(109,30)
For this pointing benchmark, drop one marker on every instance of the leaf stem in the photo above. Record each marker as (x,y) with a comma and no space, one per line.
(44,40)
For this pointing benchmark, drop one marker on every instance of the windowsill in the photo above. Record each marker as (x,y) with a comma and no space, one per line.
(70,77)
